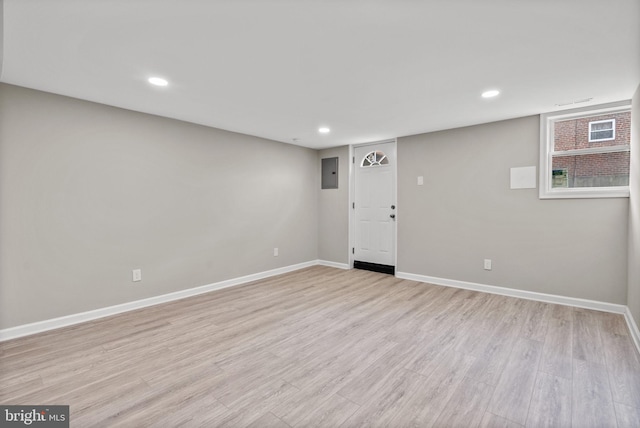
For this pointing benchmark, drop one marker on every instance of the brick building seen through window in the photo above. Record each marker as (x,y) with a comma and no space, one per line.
(592,170)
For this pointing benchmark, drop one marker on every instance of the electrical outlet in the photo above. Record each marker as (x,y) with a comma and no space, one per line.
(420,180)
(487,264)
(275,251)
(137,275)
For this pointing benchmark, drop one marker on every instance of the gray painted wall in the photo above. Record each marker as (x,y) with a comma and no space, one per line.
(465,212)
(90,192)
(633,296)
(333,226)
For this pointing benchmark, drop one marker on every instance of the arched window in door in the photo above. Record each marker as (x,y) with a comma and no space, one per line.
(376,158)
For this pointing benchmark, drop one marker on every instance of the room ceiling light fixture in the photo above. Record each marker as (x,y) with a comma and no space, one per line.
(490,93)
(158,81)
(324,130)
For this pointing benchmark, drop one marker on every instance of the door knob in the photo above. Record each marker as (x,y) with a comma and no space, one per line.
(392,216)
(393,207)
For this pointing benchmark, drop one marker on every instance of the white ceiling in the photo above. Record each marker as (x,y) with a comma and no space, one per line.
(369,70)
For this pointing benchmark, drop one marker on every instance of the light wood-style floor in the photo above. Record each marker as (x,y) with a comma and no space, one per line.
(323,347)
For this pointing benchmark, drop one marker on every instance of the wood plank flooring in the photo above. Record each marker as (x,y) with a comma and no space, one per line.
(324,347)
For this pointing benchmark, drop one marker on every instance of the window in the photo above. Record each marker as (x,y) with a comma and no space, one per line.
(374,159)
(560,177)
(585,153)
(602,130)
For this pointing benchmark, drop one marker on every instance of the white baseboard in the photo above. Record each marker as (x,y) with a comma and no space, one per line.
(333,264)
(51,324)
(633,328)
(523,294)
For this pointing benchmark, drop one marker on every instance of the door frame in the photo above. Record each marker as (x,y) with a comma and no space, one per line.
(352,198)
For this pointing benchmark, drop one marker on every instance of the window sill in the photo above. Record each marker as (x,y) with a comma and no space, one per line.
(585,193)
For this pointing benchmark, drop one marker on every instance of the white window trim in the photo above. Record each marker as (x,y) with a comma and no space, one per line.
(547,121)
(613,128)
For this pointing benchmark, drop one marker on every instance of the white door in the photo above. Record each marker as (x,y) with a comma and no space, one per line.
(375,200)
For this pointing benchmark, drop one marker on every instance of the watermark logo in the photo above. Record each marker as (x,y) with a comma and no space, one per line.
(34,416)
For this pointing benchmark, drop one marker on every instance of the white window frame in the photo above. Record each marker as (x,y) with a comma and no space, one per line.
(613,128)
(547,122)
(377,162)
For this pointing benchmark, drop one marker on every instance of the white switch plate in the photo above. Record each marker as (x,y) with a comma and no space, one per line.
(487,264)
(137,275)
(420,180)
(275,251)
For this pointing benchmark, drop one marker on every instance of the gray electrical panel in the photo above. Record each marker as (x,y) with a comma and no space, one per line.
(330,173)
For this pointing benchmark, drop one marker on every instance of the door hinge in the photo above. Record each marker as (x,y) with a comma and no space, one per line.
(353,205)
(353,159)
(353,250)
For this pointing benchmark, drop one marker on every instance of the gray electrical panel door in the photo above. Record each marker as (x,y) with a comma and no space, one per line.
(330,173)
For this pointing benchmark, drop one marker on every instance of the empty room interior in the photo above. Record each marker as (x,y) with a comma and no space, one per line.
(320,214)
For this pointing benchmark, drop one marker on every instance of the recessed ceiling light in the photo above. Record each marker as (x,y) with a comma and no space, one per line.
(324,130)
(158,81)
(491,93)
